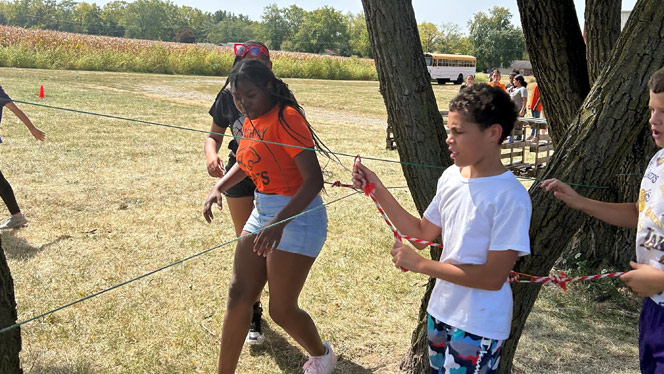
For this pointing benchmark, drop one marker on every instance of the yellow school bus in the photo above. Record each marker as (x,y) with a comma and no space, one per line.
(445,68)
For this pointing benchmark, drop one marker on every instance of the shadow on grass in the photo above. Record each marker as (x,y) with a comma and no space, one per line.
(584,330)
(17,248)
(76,368)
(290,358)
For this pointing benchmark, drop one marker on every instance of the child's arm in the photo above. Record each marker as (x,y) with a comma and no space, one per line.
(405,222)
(234,176)
(645,280)
(524,105)
(491,275)
(617,214)
(307,163)
(212,145)
(37,133)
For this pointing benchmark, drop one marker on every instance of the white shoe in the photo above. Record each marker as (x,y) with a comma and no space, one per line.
(321,364)
(14,222)
(255,335)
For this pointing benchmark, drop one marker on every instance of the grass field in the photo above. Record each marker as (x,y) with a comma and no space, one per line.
(110,200)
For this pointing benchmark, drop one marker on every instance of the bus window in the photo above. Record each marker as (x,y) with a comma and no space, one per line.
(427,60)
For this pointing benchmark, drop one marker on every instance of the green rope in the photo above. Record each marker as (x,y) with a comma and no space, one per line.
(216,133)
(165,267)
(571,184)
(264,141)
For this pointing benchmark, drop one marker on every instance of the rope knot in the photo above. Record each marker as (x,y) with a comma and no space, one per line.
(559,280)
(369,188)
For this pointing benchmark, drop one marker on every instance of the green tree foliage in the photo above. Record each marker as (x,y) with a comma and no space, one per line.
(428,36)
(496,41)
(232,30)
(88,18)
(112,16)
(289,28)
(196,21)
(359,36)
(274,27)
(149,19)
(323,29)
(452,40)
(448,38)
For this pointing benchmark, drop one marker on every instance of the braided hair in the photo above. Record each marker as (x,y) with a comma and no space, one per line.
(261,76)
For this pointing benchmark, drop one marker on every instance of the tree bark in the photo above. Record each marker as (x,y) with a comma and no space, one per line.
(599,139)
(598,245)
(10,342)
(554,38)
(602,28)
(413,114)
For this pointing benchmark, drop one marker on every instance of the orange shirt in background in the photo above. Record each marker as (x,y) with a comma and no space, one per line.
(271,166)
(536,103)
(498,85)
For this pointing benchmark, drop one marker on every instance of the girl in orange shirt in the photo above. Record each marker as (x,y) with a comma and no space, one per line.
(288,181)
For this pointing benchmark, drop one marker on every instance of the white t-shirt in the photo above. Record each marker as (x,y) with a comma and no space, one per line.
(518,95)
(650,230)
(476,216)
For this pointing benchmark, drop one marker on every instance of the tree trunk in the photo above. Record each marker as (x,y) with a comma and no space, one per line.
(598,245)
(10,342)
(601,136)
(602,30)
(413,114)
(592,247)
(553,37)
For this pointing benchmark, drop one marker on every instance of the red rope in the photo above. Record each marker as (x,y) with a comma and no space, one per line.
(559,280)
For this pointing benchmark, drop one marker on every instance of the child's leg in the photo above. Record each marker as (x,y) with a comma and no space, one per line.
(651,338)
(286,275)
(240,209)
(249,275)
(7,195)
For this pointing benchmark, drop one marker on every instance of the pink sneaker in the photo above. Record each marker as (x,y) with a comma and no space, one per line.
(321,364)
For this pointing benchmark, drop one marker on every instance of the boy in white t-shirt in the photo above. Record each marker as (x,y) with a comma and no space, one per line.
(483,214)
(647,216)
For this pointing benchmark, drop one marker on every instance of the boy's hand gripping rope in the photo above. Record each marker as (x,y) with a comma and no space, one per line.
(559,280)
(368,190)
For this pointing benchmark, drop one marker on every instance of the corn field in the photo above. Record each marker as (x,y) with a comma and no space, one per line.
(44,49)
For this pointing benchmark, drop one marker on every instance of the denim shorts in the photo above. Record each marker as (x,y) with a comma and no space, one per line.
(303,235)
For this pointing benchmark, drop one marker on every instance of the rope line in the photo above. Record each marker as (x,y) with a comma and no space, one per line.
(558,280)
(8,328)
(152,123)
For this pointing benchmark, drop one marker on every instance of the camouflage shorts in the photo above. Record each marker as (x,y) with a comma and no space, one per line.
(454,351)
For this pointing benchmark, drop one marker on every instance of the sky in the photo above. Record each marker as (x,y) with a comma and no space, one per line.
(436,12)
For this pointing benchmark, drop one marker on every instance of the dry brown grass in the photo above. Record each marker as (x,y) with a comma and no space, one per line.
(109,200)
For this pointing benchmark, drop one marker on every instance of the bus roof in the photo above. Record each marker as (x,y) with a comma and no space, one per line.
(451,56)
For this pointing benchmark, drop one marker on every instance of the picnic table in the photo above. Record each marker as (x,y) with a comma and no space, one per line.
(518,143)
(517,150)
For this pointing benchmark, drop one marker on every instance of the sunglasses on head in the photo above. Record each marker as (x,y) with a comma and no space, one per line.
(242,50)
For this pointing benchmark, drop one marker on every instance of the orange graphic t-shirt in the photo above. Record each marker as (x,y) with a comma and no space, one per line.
(271,166)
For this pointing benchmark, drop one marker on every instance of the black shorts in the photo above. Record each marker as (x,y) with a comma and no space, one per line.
(245,188)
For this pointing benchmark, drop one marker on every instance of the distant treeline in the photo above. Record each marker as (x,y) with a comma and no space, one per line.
(492,38)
